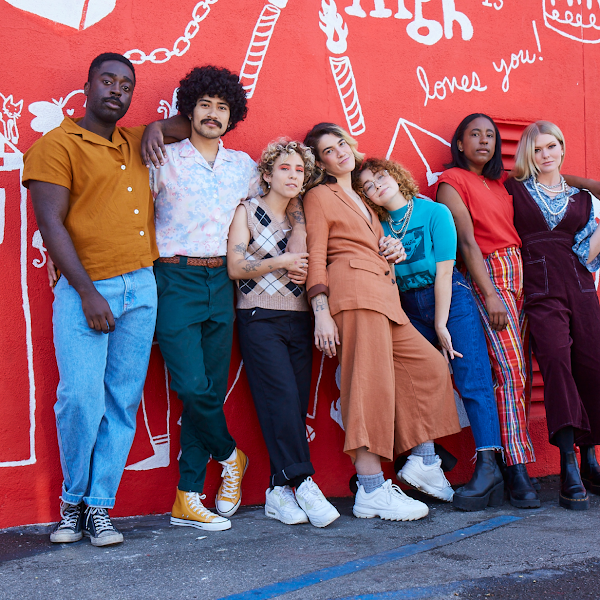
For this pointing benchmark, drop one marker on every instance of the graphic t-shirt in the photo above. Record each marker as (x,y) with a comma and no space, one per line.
(430,238)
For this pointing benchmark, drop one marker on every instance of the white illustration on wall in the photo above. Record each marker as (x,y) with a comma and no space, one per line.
(11,159)
(161,443)
(49,115)
(516,60)
(235,380)
(168,109)
(38,243)
(335,412)
(498,4)
(79,14)
(182,44)
(574,19)
(332,24)
(416,29)
(406,126)
(259,44)
(439,88)
(11,111)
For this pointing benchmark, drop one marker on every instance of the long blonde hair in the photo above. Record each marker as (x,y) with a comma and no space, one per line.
(525,166)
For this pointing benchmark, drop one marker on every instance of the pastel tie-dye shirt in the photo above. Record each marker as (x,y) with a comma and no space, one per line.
(194,204)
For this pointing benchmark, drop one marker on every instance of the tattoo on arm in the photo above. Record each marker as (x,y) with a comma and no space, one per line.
(240,249)
(320,302)
(296,211)
(251,266)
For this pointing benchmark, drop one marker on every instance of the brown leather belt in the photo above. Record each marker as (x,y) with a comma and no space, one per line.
(211,262)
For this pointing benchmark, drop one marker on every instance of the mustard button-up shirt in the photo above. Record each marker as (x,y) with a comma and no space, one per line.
(111,212)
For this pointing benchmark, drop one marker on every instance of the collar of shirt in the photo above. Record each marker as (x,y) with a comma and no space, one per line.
(71,126)
(188,150)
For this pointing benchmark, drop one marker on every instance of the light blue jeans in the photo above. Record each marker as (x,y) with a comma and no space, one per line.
(101,382)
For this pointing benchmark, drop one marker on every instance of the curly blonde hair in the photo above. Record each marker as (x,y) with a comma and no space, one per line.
(408,186)
(284,147)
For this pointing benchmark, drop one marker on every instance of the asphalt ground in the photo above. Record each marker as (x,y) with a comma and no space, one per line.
(502,553)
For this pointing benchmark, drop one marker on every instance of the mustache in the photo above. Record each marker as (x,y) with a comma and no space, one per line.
(115,100)
(212,121)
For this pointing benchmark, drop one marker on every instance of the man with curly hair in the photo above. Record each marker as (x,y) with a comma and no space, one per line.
(197,184)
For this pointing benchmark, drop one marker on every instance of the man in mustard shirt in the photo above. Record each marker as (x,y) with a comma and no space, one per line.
(93,206)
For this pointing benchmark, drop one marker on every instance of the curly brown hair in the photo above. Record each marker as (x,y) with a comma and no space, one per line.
(408,186)
(284,147)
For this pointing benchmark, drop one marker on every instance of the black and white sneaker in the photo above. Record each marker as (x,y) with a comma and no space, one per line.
(99,528)
(68,529)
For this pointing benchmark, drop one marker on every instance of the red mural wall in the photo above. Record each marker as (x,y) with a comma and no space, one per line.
(399,74)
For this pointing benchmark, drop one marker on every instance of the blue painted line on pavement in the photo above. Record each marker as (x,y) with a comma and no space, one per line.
(355,566)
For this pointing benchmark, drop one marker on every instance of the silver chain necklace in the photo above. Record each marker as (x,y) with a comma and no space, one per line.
(399,228)
(563,190)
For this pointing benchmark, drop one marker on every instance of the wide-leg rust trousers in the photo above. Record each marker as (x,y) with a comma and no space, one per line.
(396,391)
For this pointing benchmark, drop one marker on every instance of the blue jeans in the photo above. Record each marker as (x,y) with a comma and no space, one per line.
(472,373)
(101,382)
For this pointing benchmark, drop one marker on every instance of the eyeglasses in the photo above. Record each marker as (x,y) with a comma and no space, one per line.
(371,186)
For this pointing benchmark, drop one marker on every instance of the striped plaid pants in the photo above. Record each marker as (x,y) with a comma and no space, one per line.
(506,353)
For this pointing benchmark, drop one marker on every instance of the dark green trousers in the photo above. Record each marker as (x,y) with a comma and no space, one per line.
(194,329)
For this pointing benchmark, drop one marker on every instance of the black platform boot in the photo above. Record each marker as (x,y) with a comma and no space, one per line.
(520,491)
(590,469)
(486,487)
(572,494)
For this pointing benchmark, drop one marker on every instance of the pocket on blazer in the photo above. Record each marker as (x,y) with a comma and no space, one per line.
(366,265)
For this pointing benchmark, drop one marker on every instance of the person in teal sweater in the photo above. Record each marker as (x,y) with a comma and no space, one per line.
(439,303)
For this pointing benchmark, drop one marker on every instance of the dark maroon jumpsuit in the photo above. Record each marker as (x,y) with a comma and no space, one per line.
(564,314)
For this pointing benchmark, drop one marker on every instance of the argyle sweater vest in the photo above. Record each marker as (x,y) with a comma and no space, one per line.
(268,238)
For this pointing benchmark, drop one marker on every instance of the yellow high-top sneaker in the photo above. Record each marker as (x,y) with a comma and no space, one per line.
(189,511)
(229,496)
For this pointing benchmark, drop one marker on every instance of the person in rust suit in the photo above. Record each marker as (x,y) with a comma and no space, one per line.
(396,391)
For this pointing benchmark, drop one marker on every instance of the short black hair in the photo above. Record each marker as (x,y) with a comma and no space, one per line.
(214,82)
(105,57)
(494,168)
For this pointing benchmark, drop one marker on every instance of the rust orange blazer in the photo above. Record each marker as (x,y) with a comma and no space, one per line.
(344,260)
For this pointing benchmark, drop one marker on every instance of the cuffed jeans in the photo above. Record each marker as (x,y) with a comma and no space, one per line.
(101,381)
(472,373)
(194,329)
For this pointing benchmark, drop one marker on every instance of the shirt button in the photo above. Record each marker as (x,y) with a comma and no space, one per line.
(141,233)
(136,212)
(387,273)
(130,189)
(123,167)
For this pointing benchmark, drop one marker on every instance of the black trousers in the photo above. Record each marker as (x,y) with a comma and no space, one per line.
(276,346)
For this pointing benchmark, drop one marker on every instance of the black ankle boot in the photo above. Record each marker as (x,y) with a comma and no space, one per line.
(486,487)
(572,494)
(520,491)
(590,470)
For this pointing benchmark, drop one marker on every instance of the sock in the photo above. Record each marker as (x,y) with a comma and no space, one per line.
(296,482)
(565,439)
(426,451)
(371,482)
(232,457)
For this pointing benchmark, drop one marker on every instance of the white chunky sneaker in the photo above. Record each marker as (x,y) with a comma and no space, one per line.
(429,479)
(281,504)
(388,502)
(318,509)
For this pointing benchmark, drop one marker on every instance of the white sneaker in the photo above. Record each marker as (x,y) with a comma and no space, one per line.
(318,509)
(429,479)
(388,502)
(281,504)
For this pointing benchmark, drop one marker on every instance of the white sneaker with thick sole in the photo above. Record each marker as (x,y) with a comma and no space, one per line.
(281,504)
(318,509)
(388,502)
(429,479)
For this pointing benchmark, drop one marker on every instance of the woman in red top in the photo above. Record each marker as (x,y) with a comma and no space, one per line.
(472,188)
